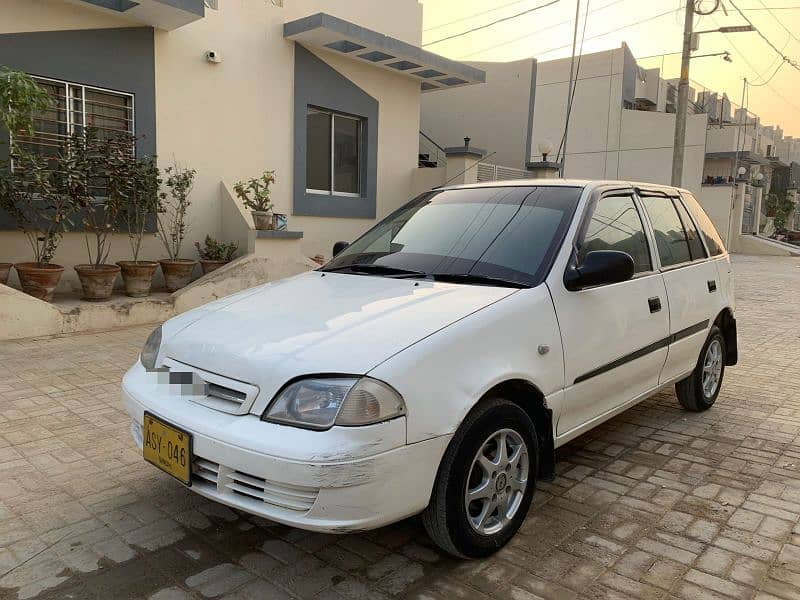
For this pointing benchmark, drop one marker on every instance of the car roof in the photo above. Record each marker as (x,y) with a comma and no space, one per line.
(580,183)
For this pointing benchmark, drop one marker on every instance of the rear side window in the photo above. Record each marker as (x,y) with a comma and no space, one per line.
(710,233)
(673,246)
(616,225)
(695,243)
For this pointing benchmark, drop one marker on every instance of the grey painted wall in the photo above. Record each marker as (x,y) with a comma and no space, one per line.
(318,84)
(116,59)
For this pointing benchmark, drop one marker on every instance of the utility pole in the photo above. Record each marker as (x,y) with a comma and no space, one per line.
(683,97)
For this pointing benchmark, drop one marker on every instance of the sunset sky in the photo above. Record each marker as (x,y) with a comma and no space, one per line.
(650,27)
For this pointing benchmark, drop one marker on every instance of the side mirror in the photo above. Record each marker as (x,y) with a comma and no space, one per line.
(600,267)
(339,246)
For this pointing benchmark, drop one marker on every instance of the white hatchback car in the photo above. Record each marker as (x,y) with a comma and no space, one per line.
(436,363)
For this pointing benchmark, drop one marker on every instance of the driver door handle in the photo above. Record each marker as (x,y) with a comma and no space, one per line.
(654,303)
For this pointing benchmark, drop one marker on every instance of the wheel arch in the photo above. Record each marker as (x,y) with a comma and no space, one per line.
(530,399)
(727,325)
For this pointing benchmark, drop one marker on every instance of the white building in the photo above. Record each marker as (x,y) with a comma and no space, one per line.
(326,93)
(619,125)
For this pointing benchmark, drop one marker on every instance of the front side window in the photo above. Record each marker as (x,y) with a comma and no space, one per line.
(671,240)
(333,153)
(616,225)
(508,233)
(74,108)
(710,233)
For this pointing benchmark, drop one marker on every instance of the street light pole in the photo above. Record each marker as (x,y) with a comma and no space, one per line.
(683,97)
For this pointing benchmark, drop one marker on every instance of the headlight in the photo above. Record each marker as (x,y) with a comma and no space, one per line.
(151,348)
(320,403)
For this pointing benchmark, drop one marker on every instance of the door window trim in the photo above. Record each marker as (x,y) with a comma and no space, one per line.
(583,225)
(673,196)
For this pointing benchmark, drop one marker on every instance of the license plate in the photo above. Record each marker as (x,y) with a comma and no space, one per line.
(168,448)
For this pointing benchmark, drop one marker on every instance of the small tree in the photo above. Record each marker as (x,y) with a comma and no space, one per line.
(143,201)
(98,174)
(20,99)
(172,208)
(34,196)
(779,207)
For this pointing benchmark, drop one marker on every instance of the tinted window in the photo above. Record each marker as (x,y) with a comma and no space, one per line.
(616,225)
(673,247)
(507,232)
(713,239)
(695,243)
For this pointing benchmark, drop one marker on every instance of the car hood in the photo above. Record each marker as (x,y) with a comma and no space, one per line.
(320,323)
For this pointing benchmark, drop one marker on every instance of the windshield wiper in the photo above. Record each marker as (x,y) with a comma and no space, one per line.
(477,279)
(370,268)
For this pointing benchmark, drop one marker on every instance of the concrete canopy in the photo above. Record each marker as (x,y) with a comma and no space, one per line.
(329,33)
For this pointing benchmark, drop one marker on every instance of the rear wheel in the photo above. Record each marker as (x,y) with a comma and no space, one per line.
(699,391)
(486,481)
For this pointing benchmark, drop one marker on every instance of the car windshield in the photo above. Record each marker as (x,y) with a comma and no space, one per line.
(489,235)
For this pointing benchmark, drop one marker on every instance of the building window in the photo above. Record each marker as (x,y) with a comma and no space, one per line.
(74,108)
(333,153)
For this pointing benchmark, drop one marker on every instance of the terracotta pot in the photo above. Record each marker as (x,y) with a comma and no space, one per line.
(39,281)
(212,265)
(263,220)
(138,276)
(177,273)
(5,269)
(97,281)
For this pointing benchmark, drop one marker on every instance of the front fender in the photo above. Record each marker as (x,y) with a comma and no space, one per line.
(442,376)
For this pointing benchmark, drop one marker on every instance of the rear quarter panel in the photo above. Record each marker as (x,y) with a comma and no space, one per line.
(444,375)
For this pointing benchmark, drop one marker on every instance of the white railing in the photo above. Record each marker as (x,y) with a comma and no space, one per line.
(489,172)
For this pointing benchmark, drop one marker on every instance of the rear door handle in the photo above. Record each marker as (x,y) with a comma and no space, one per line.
(712,285)
(654,303)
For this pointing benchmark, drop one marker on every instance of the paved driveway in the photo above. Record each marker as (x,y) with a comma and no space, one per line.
(655,503)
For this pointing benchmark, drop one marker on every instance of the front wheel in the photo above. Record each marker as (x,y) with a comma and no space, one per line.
(699,391)
(486,481)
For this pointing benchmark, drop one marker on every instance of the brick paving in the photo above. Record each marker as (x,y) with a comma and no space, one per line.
(656,503)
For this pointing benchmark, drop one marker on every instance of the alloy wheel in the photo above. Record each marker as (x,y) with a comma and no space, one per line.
(712,368)
(497,481)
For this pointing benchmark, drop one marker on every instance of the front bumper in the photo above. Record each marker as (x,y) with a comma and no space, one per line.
(319,489)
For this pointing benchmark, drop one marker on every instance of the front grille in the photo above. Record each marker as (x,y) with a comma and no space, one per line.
(251,488)
(277,494)
(224,398)
(211,390)
(205,471)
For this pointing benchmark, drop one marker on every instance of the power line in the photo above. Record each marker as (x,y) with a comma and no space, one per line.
(509,18)
(772,14)
(593,37)
(477,14)
(771,77)
(774,8)
(765,38)
(535,31)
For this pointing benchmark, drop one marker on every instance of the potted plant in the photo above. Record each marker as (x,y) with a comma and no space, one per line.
(20,99)
(214,254)
(142,204)
(33,196)
(172,226)
(254,194)
(97,173)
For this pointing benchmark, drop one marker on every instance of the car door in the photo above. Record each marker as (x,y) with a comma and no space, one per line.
(690,279)
(613,335)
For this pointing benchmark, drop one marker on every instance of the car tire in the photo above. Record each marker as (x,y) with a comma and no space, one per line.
(478,505)
(699,391)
